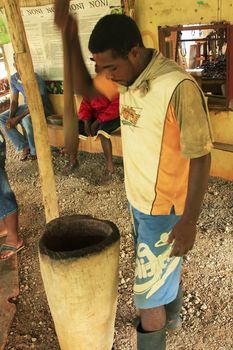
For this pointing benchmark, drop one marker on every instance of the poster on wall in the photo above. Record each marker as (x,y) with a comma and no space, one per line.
(45,40)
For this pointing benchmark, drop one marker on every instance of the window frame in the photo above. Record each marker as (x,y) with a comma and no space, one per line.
(162,34)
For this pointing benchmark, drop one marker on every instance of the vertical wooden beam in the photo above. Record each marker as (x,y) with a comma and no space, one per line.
(70,121)
(27,75)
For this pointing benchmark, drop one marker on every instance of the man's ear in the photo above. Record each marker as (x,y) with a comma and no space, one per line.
(134,53)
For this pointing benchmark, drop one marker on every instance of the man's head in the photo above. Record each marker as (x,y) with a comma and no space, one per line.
(116,45)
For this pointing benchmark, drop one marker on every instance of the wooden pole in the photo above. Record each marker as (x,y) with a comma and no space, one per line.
(27,75)
(70,120)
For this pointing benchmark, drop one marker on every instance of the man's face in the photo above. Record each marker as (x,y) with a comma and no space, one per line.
(120,70)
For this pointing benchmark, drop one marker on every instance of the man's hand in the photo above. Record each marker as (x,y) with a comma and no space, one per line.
(94,127)
(11,122)
(87,127)
(61,13)
(182,236)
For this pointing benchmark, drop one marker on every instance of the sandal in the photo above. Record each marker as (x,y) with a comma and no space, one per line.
(11,249)
(24,155)
(31,157)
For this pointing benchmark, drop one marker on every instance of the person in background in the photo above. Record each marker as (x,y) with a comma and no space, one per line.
(166,142)
(99,117)
(8,210)
(19,114)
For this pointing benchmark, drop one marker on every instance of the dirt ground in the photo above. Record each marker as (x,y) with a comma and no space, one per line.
(207,273)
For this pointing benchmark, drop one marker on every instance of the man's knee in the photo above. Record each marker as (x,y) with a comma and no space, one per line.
(153,319)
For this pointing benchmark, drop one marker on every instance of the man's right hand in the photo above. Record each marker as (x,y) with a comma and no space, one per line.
(11,123)
(61,13)
(64,20)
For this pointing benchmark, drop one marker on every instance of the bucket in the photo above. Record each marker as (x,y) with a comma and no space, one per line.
(79,262)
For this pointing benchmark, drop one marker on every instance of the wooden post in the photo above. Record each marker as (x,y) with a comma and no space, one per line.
(27,75)
(70,120)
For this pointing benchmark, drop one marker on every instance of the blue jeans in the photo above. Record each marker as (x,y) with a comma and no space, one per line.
(8,204)
(20,141)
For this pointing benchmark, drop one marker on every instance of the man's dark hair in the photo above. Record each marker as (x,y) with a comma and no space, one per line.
(115,32)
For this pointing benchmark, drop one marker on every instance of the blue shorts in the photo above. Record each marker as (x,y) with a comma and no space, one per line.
(157,276)
(8,204)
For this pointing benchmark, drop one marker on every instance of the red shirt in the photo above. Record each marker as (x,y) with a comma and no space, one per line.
(100,108)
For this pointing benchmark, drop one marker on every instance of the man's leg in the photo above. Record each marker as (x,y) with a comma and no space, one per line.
(73,164)
(3,231)
(107,149)
(173,310)
(27,124)
(153,319)
(11,224)
(14,135)
(105,131)
(151,332)
(9,215)
(157,276)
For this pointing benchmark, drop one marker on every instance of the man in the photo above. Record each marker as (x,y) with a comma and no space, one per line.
(20,114)
(8,210)
(166,149)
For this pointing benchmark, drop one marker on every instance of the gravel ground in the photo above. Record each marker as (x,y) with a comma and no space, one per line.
(207,273)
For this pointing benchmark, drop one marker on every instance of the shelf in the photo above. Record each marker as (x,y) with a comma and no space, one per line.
(223,146)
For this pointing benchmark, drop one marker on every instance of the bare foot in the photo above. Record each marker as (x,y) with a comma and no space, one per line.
(70,168)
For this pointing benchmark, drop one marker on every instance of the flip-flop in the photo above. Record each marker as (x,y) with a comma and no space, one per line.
(31,157)
(24,155)
(23,158)
(11,249)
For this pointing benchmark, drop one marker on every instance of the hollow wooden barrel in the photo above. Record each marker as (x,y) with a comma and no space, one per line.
(79,259)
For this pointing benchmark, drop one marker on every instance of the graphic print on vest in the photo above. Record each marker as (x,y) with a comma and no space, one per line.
(130,115)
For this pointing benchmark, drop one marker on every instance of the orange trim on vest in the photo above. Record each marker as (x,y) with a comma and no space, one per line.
(173,170)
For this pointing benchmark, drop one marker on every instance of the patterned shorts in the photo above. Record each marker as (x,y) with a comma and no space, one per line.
(157,276)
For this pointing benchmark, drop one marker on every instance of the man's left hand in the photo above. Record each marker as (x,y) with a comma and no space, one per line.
(11,123)
(183,237)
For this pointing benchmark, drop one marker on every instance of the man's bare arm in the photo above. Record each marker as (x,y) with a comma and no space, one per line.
(14,104)
(82,81)
(184,232)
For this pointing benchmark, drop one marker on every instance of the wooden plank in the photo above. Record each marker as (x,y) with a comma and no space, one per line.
(56,138)
(223,146)
(26,71)
(221,164)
